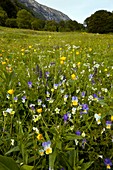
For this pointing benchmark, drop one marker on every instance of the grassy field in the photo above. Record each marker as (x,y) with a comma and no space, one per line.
(56,100)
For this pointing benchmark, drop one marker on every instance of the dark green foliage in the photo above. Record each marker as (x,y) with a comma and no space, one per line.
(3,17)
(11,22)
(38,24)
(50,26)
(100,22)
(24,19)
(9,7)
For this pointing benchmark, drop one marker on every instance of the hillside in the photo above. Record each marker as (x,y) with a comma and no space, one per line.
(36,9)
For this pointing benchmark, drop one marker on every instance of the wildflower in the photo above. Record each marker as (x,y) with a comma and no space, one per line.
(15,99)
(83,134)
(36,130)
(65,117)
(39,102)
(30,84)
(98,117)
(108,163)
(76,141)
(9,110)
(11,91)
(47,147)
(55,86)
(36,117)
(90,49)
(78,132)
(63,58)
(47,94)
(83,94)
(23,99)
(41,152)
(57,110)
(39,110)
(3,63)
(32,107)
(61,62)
(40,137)
(74,101)
(111,117)
(77,53)
(65,98)
(85,108)
(73,76)
(12,142)
(83,143)
(73,110)
(30,46)
(108,124)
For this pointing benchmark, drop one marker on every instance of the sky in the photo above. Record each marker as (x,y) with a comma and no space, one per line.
(78,10)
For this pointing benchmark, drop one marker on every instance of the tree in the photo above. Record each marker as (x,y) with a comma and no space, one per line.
(11,22)
(9,7)
(38,24)
(51,26)
(24,19)
(3,17)
(99,22)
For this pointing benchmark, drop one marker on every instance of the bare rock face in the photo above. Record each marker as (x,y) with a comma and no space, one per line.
(42,10)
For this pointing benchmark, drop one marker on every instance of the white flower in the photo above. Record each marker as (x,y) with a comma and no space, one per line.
(12,142)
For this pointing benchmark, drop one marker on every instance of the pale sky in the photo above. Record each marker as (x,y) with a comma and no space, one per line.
(78,10)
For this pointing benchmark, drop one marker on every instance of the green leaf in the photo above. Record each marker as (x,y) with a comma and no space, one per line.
(7,163)
(52,158)
(72,137)
(85,166)
(26,167)
(15,149)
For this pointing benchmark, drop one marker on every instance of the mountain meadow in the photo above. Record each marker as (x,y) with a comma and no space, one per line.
(56,100)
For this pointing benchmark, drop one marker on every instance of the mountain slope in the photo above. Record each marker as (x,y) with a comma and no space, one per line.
(46,12)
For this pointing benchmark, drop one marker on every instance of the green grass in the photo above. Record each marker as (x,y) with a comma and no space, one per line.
(59,67)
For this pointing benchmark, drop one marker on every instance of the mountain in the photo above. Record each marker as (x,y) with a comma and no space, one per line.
(46,12)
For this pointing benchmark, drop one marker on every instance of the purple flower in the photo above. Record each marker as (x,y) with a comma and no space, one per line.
(29,84)
(74,98)
(78,132)
(65,117)
(23,99)
(85,107)
(108,124)
(108,163)
(83,94)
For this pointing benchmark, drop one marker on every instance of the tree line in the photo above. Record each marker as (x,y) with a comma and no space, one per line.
(26,20)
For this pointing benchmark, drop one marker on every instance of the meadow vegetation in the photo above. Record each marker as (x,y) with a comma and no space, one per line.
(56,100)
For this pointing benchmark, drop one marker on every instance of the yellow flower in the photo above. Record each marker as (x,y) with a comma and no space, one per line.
(48,150)
(108,166)
(63,58)
(3,63)
(40,137)
(0,55)
(111,117)
(61,62)
(52,90)
(41,152)
(11,91)
(22,49)
(74,103)
(12,112)
(105,69)
(34,50)
(73,76)
(30,46)
(78,64)
(77,53)
(39,110)
(90,49)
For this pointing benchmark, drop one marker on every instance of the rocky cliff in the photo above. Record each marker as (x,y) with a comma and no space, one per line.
(44,11)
